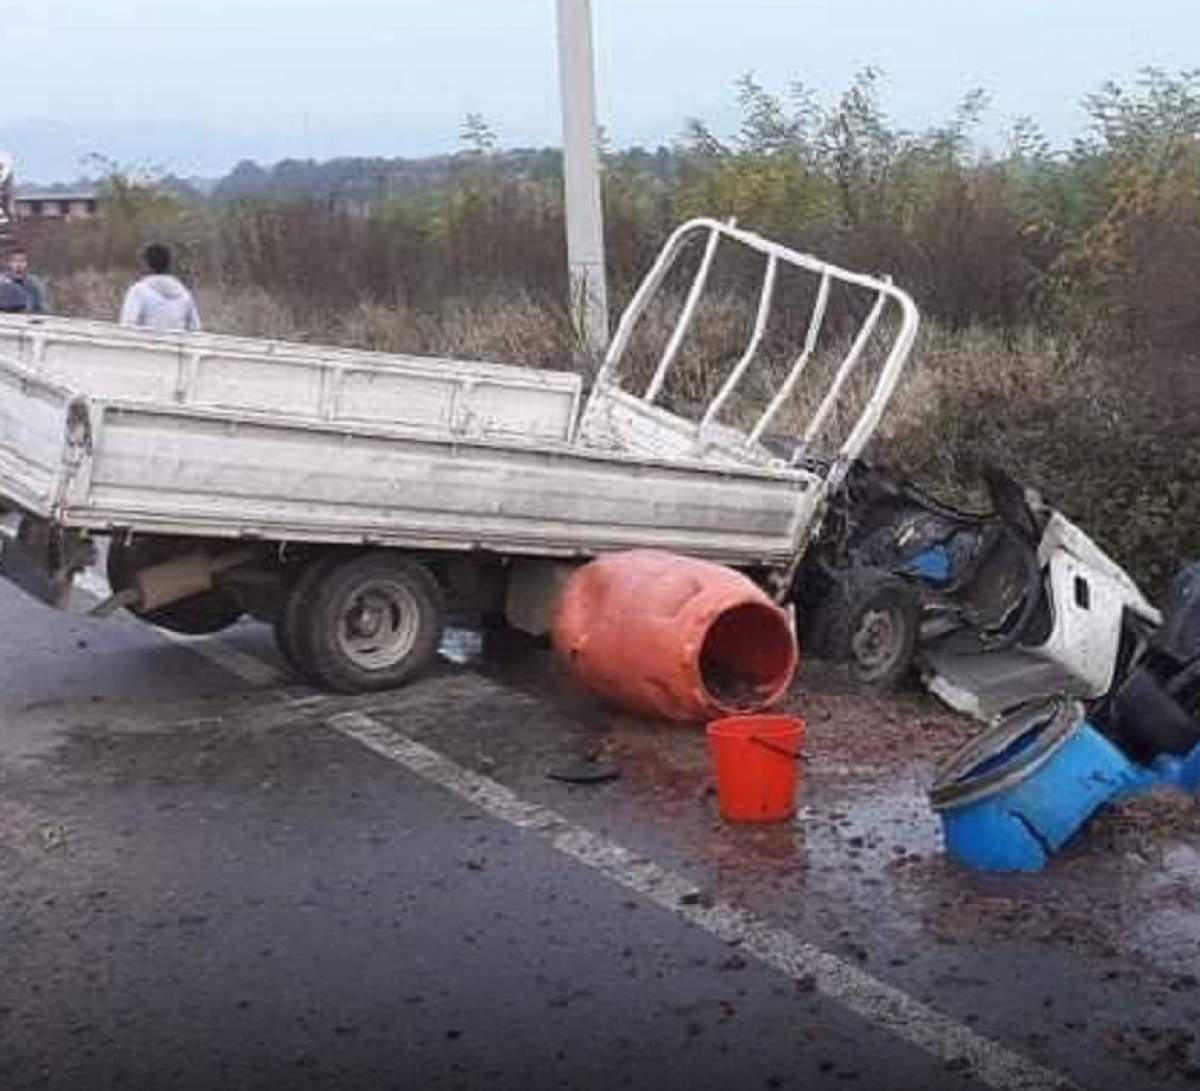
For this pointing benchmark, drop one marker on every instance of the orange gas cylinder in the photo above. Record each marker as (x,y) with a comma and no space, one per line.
(673,637)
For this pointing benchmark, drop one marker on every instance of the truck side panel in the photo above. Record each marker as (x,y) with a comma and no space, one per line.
(205,473)
(461,397)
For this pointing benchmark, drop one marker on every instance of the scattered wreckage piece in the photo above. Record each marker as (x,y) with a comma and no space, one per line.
(1153,710)
(673,637)
(1019,791)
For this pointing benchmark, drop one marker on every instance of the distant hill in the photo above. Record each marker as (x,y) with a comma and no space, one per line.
(368,179)
(363,179)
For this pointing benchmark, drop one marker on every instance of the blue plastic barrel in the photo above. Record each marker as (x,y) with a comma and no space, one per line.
(1182,773)
(1015,794)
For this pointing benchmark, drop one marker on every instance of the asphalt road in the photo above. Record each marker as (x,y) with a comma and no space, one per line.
(212,877)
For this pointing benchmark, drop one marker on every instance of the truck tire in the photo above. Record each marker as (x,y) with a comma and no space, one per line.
(199,615)
(288,624)
(368,623)
(870,619)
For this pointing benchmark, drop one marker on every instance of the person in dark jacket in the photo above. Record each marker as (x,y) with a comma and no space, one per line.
(20,293)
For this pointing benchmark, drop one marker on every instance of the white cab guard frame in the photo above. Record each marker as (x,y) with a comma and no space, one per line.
(617,418)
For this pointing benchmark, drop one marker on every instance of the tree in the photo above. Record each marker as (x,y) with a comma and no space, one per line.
(477,136)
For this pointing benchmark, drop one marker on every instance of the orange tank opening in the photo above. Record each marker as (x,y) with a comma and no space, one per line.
(747,657)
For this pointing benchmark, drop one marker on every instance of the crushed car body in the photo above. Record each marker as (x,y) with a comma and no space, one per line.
(994,610)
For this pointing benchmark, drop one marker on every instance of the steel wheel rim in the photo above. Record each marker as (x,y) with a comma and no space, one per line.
(379,625)
(876,644)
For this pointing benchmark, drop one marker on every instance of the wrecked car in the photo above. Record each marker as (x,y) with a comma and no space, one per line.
(993,610)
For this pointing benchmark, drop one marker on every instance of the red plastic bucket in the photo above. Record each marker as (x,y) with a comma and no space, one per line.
(755,758)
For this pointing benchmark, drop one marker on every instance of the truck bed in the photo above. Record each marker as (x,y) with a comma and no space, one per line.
(106,464)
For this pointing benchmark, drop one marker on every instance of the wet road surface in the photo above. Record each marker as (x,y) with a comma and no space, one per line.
(211,876)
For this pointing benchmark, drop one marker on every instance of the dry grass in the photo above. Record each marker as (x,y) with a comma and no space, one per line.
(509,329)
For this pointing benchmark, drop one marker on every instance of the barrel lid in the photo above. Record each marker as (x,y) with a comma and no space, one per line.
(1003,755)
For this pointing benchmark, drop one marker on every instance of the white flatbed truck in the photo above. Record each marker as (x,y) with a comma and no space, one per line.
(342,496)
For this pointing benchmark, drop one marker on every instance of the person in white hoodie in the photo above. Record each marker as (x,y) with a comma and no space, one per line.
(159,300)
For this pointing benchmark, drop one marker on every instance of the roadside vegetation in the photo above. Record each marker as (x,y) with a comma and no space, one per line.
(1060,287)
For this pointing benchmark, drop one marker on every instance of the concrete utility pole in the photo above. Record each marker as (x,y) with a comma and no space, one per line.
(581,173)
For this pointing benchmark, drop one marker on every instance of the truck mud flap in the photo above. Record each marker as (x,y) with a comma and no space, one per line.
(26,568)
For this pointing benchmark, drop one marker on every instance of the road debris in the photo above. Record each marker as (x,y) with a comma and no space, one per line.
(1014,795)
(53,835)
(755,759)
(590,769)
(673,637)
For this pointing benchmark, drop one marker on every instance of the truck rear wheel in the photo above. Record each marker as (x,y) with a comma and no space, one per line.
(289,623)
(369,623)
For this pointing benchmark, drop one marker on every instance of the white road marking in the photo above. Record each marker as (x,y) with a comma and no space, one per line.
(881,1004)
(244,665)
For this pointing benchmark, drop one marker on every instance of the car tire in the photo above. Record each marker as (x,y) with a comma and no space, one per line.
(869,619)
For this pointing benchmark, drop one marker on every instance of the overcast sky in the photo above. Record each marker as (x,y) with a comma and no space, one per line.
(193,86)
